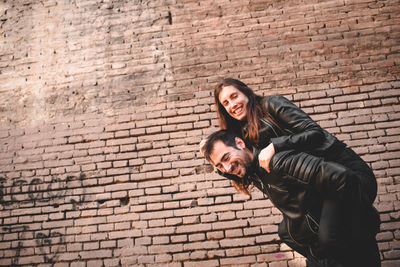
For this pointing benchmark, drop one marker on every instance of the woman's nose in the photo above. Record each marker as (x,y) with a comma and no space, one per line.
(232,104)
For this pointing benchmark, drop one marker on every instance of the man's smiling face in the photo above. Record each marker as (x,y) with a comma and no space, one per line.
(232,160)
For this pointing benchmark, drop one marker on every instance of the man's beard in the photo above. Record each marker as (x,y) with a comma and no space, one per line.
(246,163)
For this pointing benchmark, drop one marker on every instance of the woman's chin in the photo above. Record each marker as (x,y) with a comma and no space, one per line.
(239,117)
(242,117)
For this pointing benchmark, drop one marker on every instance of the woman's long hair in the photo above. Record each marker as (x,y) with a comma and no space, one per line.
(254,111)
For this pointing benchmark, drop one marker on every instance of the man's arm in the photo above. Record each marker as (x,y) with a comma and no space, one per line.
(323,176)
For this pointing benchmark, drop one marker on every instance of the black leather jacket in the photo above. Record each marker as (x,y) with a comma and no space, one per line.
(296,185)
(297,130)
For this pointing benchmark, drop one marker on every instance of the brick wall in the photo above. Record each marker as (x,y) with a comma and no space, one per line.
(103,104)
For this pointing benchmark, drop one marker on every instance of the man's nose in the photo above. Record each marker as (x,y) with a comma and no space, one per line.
(227,166)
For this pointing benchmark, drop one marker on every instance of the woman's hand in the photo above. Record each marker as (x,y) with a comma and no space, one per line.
(265,156)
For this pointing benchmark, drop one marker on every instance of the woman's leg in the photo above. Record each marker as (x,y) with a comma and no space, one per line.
(348,226)
(363,193)
(364,177)
(336,237)
(332,228)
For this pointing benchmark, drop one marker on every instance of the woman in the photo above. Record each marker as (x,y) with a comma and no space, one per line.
(274,124)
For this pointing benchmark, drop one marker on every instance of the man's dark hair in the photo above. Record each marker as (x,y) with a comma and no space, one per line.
(227,137)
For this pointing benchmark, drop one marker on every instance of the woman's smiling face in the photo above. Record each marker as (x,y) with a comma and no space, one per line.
(234,102)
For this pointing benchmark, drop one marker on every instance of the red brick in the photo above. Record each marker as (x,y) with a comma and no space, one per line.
(163,258)
(89,221)
(121,126)
(238,260)
(226,207)
(191,211)
(173,248)
(193,228)
(173,221)
(152,122)
(158,231)
(122,141)
(118,171)
(233,233)
(125,234)
(275,256)
(137,132)
(96,254)
(31,259)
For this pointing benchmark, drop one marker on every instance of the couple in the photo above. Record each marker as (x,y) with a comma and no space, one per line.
(324,190)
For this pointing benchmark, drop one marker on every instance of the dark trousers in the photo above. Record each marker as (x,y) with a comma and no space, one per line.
(336,245)
(344,237)
(347,227)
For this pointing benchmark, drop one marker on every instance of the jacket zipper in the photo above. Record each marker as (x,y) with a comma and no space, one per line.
(269,125)
(308,215)
(277,188)
(290,234)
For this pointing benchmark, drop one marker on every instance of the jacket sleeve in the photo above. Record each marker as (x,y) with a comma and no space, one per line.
(325,177)
(305,134)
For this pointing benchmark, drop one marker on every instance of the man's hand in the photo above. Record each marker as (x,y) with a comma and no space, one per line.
(265,156)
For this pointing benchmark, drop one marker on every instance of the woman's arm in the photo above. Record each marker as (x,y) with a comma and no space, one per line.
(306,133)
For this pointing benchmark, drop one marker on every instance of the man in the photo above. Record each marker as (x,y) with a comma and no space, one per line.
(324,216)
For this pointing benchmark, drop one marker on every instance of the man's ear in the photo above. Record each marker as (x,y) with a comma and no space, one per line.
(202,146)
(240,143)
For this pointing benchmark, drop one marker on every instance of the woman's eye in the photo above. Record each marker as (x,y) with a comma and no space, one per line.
(234,95)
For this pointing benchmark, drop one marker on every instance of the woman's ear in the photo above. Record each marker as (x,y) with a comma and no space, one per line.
(240,143)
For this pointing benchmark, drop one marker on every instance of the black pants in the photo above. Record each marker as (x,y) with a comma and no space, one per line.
(335,246)
(364,180)
(349,242)
(347,227)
